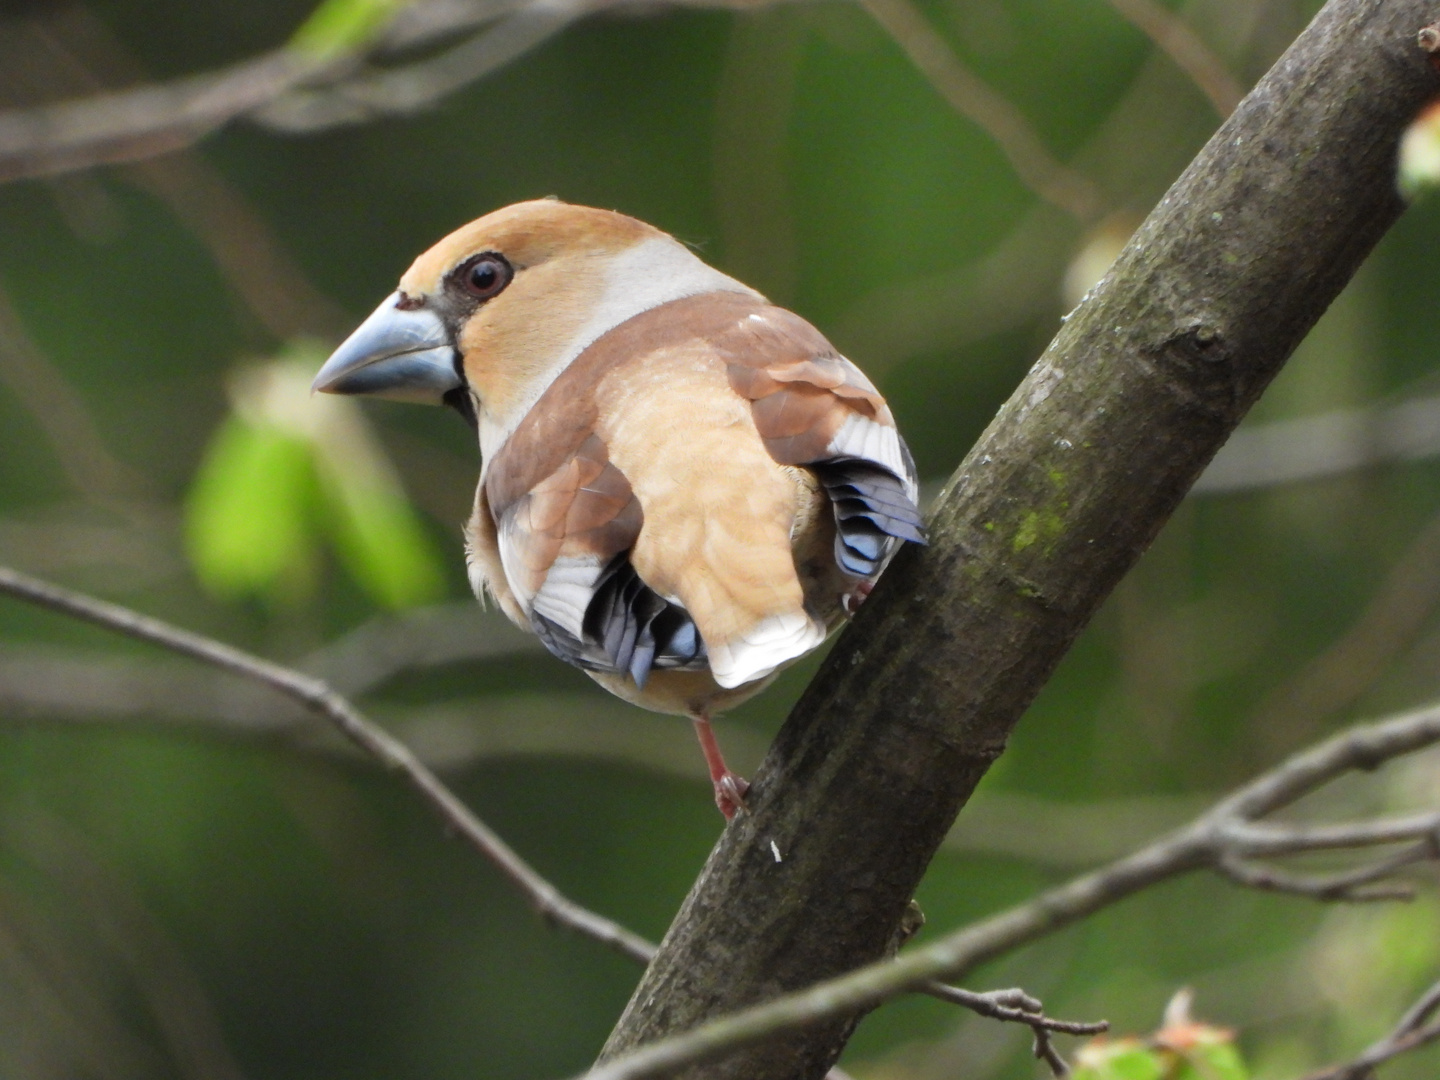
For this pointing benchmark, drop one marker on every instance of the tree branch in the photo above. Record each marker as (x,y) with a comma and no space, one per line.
(128,125)
(1213,840)
(1411,1033)
(1069,484)
(1005,1005)
(1327,444)
(1017,1007)
(287,88)
(319,698)
(970,96)
(1176,40)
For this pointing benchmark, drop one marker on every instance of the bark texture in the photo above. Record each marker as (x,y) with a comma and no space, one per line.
(1070,483)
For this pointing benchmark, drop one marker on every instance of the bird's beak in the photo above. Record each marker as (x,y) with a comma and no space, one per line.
(404,355)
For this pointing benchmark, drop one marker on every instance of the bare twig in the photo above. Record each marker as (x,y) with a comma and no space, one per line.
(128,125)
(287,88)
(417,86)
(1415,1029)
(74,53)
(1015,1006)
(152,119)
(1176,40)
(1215,840)
(380,649)
(968,94)
(1350,886)
(319,698)
(1328,444)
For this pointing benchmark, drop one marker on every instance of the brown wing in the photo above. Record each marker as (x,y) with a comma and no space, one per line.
(810,403)
(815,408)
(582,513)
(563,545)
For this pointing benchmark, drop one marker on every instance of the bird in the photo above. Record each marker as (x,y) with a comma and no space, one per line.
(683,487)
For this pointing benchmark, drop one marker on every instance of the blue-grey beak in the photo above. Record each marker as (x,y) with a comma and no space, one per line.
(397,354)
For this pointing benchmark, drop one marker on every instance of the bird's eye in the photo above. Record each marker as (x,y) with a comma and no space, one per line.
(484,275)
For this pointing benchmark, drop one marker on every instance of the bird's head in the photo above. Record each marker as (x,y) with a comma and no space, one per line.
(487,317)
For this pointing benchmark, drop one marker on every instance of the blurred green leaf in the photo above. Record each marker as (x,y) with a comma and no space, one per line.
(248,519)
(1212,1060)
(340,26)
(1183,1049)
(1118,1059)
(290,469)
(381,543)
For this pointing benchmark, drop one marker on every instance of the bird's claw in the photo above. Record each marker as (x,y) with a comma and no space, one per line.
(852,600)
(730,794)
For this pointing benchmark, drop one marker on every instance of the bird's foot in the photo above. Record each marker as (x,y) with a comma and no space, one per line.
(857,596)
(729,789)
(730,794)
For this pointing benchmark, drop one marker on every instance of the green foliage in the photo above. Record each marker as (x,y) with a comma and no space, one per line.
(380,541)
(1119,1059)
(1182,1050)
(250,516)
(287,472)
(337,27)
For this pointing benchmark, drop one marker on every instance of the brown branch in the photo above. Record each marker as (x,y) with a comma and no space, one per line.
(319,698)
(287,89)
(1015,1006)
(1211,841)
(75,54)
(1070,483)
(1412,1032)
(1324,445)
(971,96)
(129,125)
(417,86)
(1175,39)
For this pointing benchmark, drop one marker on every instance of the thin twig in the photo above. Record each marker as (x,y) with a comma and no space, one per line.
(1262,840)
(1175,39)
(128,125)
(1411,1033)
(1013,1006)
(1353,886)
(1203,843)
(318,697)
(286,89)
(417,86)
(1323,445)
(968,94)
(1017,1007)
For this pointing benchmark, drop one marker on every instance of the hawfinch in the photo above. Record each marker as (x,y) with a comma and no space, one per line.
(683,488)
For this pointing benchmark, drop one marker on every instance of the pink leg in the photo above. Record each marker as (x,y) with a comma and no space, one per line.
(729,788)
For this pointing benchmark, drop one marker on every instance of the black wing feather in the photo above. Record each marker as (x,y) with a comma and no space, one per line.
(628,628)
(871,506)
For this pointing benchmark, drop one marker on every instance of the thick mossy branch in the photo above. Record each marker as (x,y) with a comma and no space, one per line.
(1062,493)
